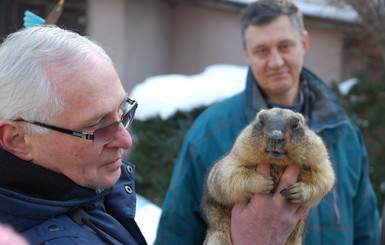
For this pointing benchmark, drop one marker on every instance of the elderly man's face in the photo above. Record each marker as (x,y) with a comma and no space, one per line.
(275,53)
(93,97)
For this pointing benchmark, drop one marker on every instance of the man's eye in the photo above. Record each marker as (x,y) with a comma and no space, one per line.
(261,51)
(92,127)
(285,47)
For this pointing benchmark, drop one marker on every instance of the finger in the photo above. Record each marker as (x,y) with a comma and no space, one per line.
(289,176)
(263,169)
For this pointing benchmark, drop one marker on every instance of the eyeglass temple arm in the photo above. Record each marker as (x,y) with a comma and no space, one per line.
(62,130)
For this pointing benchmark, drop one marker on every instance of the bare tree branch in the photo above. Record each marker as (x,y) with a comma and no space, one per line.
(372,14)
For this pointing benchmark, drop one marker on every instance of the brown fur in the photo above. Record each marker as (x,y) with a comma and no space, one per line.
(278,137)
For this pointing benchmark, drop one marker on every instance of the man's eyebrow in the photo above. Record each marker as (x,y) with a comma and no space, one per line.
(93,121)
(102,115)
(287,41)
(259,46)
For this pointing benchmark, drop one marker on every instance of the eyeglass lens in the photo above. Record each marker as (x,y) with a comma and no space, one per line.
(106,133)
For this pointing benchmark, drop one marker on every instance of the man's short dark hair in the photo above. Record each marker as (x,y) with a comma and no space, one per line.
(263,12)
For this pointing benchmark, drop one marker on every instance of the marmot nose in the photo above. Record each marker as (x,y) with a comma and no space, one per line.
(276,136)
(275,146)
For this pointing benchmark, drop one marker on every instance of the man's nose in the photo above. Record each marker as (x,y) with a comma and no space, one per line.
(122,138)
(275,59)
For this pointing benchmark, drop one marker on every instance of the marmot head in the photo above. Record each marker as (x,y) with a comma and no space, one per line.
(278,127)
(279,136)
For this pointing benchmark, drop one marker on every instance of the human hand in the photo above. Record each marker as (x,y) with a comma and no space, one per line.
(267,218)
(8,236)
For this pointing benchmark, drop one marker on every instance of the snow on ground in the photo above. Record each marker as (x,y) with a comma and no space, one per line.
(345,86)
(147,216)
(165,94)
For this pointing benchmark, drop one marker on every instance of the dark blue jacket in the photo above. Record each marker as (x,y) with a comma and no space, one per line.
(37,209)
(348,215)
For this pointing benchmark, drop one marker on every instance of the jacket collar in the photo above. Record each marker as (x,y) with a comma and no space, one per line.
(326,111)
(31,179)
(254,99)
(322,109)
(31,194)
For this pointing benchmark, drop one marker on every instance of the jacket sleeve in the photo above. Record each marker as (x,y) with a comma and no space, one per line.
(366,228)
(181,220)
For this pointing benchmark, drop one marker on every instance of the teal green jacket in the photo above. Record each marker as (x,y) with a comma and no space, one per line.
(347,215)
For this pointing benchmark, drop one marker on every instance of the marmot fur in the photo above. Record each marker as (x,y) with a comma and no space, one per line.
(278,137)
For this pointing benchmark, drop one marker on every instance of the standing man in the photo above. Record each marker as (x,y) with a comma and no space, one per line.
(275,44)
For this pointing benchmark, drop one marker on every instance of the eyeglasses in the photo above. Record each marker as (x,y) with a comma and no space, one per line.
(103,134)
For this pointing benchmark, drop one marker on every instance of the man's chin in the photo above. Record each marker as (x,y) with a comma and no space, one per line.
(107,179)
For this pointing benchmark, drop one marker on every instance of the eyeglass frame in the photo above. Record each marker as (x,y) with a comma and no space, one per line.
(90,136)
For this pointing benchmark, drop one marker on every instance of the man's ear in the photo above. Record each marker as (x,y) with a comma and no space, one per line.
(12,138)
(306,40)
(245,52)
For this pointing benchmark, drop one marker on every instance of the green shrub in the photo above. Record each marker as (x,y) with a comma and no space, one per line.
(155,149)
(365,104)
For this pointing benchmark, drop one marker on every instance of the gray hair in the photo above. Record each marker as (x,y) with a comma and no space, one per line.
(32,61)
(263,12)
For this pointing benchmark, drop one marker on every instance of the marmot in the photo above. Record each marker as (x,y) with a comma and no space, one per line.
(278,137)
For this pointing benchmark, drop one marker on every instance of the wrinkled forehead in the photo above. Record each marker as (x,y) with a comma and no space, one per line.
(95,77)
(92,91)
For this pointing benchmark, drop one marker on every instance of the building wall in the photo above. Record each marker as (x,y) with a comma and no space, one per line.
(136,34)
(325,53)
(150,37)
(106,25)
(203,36)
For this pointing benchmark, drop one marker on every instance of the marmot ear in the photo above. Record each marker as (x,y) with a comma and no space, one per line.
(259,114)
(301,117)
(261,111)
(12,138)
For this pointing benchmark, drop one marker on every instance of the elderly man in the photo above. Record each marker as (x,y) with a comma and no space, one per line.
(63,119)
(275,43)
